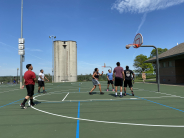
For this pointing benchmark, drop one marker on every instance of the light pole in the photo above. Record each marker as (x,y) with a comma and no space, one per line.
(52,56)
(21,45)
(17,74)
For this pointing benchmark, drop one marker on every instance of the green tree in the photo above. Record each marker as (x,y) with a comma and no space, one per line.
(141,66)
(153,54)
(160,51)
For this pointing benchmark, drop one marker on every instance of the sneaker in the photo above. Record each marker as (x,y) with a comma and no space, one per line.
(44,92)
(33,104)
(121,96)
(107,90)
(115,95)
(113,90)
(132,94)
(38,91)
(90,93)
(125,94)
(23,106)
(101,93)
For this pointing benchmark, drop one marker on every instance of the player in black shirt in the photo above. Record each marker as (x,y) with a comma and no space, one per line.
(128,80)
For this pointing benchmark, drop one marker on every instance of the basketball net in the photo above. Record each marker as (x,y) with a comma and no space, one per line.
(134,45)
(103,66)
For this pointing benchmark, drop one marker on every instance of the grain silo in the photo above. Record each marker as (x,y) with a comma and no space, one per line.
(65,61)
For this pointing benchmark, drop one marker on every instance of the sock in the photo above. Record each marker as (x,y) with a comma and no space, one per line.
(125,92)
(120,93)
(116,93)
(25,100)
(31,101)
(132,92)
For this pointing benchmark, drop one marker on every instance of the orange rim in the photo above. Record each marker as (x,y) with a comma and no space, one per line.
(135,45)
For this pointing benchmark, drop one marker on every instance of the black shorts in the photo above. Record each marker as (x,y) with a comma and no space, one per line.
(30,90)
(118,81)
(41,84)
(110,82)
(129,83)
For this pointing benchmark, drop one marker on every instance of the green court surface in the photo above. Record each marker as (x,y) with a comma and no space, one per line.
(68,111)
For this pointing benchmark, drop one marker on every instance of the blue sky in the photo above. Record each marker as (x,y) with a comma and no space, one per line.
(101,28)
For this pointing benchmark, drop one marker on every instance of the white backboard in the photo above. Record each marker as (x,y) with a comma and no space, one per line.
(138,39)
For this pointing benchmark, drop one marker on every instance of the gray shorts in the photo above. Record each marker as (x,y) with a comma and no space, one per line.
(95,82)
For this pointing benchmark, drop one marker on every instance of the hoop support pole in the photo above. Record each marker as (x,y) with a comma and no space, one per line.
(157,64)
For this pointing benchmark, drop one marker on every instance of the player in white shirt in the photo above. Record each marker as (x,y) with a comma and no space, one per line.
(41,79)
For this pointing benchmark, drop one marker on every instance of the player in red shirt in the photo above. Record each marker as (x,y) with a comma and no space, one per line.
(29,81)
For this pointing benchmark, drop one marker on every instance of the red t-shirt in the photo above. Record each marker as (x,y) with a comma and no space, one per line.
(118,70)
(29,76)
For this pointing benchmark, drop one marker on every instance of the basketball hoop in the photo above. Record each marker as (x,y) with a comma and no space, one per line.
(138,41)
(134,45)
(106,67)
(103,67)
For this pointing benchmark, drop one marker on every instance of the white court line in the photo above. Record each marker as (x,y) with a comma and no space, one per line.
(150,97)
(65,97)
(107,122)
(161,93)
(10,91)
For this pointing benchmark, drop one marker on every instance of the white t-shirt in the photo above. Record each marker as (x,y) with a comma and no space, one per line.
(41,74)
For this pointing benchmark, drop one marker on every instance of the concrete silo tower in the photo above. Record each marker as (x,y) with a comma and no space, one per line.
(65,61)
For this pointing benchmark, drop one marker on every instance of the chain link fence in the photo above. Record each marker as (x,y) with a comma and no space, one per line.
(79,78)
(16,79)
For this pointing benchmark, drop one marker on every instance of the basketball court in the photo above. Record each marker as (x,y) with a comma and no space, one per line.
(67,110)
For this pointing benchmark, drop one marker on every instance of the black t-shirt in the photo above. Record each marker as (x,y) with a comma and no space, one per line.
(128,74)
(97,75)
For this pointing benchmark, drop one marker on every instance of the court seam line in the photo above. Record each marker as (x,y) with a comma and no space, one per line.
(160,93)
(65,96)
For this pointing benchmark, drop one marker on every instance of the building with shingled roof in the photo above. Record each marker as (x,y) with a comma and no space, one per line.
(171,65)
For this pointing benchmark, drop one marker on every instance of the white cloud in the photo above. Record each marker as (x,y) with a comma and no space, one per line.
(33,55)
(142,6)
(37,50)
(142,22)
(34,50)
(1,43)
(7,45)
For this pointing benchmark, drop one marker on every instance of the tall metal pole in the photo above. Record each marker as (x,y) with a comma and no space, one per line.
(158,75)
(21,37)
(17,74)
(52,59)
(157,66)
